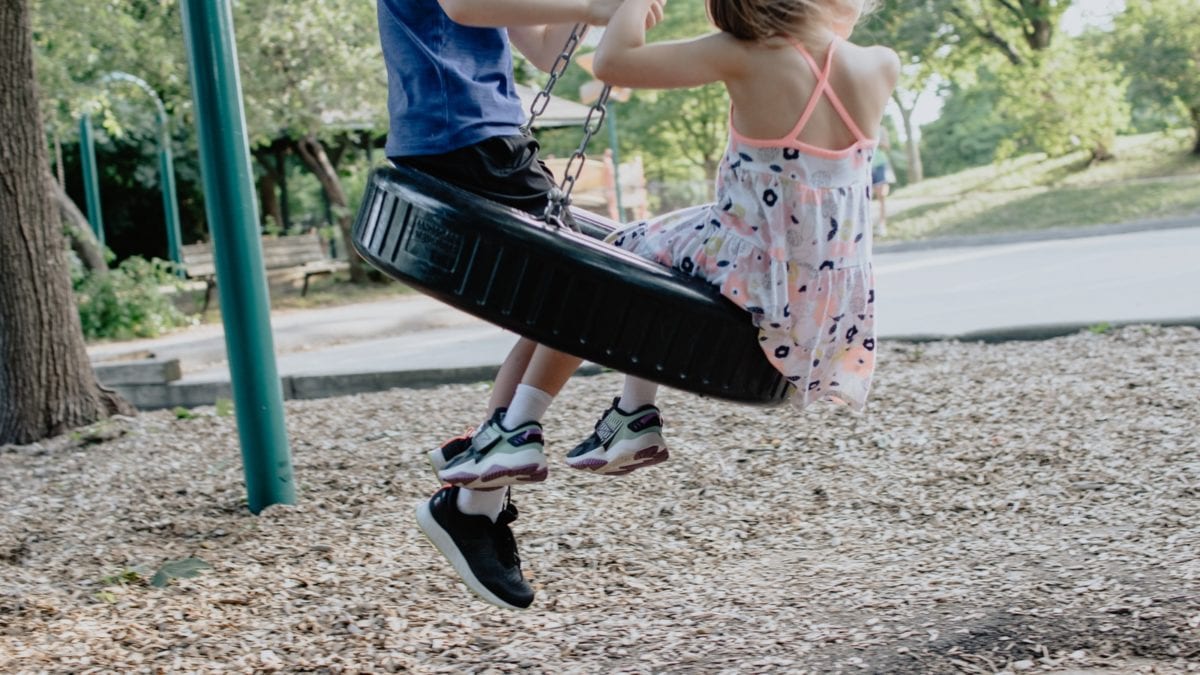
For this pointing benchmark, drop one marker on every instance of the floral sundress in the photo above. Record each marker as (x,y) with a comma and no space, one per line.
(788,239)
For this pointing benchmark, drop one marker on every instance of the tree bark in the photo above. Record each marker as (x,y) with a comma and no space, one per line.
(1196,128)
(79,232)
(58,160)
(916,167)
(268,185)
(312,151)
(47,385)
(988,34)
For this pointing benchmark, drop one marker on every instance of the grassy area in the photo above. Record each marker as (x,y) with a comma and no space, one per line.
(1153,176)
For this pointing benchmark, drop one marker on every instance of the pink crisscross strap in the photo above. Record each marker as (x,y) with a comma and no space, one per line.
(823,88)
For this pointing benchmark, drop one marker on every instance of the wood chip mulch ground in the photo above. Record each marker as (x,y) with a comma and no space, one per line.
(1021,507)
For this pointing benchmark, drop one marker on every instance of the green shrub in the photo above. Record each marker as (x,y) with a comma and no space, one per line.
(128,301)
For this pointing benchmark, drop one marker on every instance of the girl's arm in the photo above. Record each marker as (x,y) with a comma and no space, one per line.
(542,44)
(508,13)
(624,59)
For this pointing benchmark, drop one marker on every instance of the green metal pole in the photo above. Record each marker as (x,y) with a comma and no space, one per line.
(166,172)
(237,249)
(91,176)
(616,158)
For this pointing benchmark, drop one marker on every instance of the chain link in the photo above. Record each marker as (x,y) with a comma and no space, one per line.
(560,65)
(560,199)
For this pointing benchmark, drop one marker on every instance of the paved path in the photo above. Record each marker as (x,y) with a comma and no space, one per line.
(1118,278)
(1024,288)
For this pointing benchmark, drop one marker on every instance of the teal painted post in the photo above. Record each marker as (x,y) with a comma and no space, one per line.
(91,177)
(166,173)
(237,249)
(611,117)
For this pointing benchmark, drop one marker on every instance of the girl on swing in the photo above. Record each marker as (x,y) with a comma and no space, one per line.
(788,238)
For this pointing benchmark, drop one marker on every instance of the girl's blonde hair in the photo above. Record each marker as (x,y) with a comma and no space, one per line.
(761,19)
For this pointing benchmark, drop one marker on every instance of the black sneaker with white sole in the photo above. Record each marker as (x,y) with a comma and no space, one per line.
(482,552)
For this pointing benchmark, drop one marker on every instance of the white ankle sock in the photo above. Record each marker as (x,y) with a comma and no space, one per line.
(637,393)
(528,405)
(481,502)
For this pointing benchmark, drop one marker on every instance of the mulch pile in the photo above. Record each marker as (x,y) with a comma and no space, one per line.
(1022,507)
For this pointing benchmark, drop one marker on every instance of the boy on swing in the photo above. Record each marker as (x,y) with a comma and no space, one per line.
(455,114)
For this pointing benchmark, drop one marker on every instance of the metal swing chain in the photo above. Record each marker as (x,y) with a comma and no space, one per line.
(560,65)
(560,199)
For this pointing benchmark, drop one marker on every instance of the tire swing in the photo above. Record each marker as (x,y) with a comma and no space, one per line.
(562,288)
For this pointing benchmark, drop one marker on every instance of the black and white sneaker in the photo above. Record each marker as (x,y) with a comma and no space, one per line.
(482,552)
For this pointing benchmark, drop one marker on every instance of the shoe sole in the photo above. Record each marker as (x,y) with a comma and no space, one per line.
(529,467)
(623,457)
(444,543)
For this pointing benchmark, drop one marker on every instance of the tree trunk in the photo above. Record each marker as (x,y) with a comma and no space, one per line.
(47,385)
(916,168)
(79,232)
(268,194)
(313,153)
(58,160)
(1039,34)
(1196,128)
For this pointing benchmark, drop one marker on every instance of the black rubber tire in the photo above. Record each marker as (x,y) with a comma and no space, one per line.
(561,288)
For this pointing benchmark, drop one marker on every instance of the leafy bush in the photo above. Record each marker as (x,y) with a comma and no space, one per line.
(128,301)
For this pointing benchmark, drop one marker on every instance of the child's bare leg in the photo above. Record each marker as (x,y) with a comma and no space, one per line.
(510,375)
(545,376)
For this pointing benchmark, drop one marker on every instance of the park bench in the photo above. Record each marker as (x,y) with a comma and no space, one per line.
(305,253)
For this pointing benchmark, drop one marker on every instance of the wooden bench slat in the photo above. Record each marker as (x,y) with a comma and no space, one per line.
(306,253)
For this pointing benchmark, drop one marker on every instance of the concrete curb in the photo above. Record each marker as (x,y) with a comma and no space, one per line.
(186,394)
(1038,235)
(1039,332)
(298,387)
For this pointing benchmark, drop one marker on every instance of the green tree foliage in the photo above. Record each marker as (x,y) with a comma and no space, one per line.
(76,43)
(969,129)
(1158,41)
(316,67)
(925,41)
(1066,99)
(1017,28)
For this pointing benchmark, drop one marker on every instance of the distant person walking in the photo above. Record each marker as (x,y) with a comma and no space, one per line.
(882,176)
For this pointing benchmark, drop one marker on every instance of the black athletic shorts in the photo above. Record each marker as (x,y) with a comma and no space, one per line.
(504,169)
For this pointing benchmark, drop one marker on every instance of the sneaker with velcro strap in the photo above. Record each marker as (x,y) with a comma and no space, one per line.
(442,455)
(622,442)
(498,457)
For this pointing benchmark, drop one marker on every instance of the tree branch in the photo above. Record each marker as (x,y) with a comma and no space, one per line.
(990,35)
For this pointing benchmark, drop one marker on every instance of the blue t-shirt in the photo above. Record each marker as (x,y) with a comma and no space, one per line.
(449,85)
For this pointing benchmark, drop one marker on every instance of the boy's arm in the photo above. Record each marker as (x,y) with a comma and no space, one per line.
(541,44)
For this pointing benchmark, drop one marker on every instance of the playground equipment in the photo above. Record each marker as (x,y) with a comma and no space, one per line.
(91,177)
(237,252)
(561,288)
(166,167)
